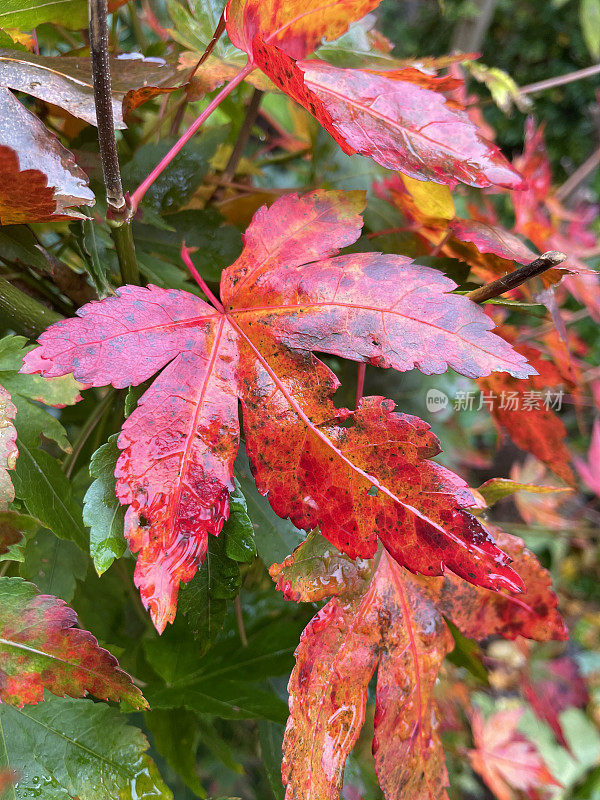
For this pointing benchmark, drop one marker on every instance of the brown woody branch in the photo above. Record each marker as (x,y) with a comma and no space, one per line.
(118,209)
(513,279)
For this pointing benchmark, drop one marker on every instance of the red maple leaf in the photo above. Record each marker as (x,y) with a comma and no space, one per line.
(358,475)
(382,617)
(393,117)
(524,408)
(554,687)
(504,758)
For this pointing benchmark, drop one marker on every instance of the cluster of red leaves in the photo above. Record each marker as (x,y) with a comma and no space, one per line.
(284,297)
(490,252)
(383,617)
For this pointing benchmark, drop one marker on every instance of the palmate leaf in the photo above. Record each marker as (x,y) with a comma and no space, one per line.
(390,116)
(390,620)
(63,748)
(504,758)
(41,649)
(176,466)
(102,512)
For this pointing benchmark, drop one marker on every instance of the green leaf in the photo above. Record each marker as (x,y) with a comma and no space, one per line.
(275,537)
(218,243)
(238,531)
(18,245)
(203,599)
(161,273)
(28,390)
(46,491)
(33,421)
(223,573)
(54,565)
(271,742)
(8,43)
(65,748)
(132,397)
(228,682)
(175,186)
(214,742)
(228,699)
(467,654)
(176,736)
(194,27)
(28,14)
(589,15)
(102,511)
(204,612)
(96,269)
(269,653)
(15,529)
(497,488)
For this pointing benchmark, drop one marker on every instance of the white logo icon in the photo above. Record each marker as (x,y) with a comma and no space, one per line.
(435,400)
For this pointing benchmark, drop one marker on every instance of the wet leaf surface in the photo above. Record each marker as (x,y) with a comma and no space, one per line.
(176,467)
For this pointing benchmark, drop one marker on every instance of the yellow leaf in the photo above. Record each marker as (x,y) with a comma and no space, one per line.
(431,199)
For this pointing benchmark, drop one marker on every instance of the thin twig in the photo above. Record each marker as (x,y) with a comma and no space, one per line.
(560,80)
(243,136)
(390,231)
(578,177)
(211,45)
(139,193)
(240,621)
(238,149)
(513,279)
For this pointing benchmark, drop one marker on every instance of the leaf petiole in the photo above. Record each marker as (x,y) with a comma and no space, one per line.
(185,255)
(139,193)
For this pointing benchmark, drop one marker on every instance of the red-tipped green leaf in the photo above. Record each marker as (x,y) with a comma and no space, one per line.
(40,648)
(316,570)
